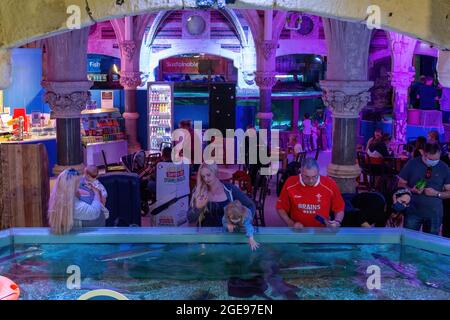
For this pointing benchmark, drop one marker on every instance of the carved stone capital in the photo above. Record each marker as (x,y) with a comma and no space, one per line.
(268,48)
(67,99)
(346,98)
(401,80)
(128,49)
(265,79)
(130,79)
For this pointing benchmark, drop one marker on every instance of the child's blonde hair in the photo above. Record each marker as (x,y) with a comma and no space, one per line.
(62,201)
(235,210)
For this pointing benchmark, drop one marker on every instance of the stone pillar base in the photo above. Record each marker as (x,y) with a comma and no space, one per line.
(345,176)
(57,169)
(131,131)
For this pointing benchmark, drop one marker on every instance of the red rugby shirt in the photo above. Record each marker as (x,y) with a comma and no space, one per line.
(303,202)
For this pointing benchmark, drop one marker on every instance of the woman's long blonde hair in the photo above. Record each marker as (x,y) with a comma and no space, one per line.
(62,201)
(201,186)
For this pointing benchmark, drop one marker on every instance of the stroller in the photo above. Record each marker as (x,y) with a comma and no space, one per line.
(137,163)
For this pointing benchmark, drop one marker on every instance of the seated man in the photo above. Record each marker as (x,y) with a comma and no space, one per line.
(165,157)
(307,199)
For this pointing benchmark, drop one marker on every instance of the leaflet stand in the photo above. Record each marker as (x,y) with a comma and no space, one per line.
(172,195)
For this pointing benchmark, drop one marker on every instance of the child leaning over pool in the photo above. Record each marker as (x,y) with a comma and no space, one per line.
(237,217)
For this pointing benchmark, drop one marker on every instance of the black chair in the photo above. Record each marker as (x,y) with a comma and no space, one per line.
(112,167)
(292,169)
(124,199)
(301,156)
(260,190)
(352,217)
(372,208)
(316,157)
(365,172)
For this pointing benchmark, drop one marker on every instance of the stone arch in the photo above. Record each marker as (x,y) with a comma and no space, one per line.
(149,61)
(404,17)
(148,68)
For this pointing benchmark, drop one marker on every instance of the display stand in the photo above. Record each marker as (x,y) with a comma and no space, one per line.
(172,195)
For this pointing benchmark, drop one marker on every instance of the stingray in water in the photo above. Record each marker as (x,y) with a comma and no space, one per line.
(202,294)
(247,288)
(124,255)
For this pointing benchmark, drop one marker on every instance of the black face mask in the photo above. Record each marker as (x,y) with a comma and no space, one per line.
(399,207)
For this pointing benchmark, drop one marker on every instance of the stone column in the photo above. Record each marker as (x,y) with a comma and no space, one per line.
(5,68)
(67,92)
(346,99)
(402,75)
(67,100)
(401,81)
(131,81)
(345,92)
(265,81)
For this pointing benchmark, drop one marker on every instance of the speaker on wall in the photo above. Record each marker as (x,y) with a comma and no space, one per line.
(222,106)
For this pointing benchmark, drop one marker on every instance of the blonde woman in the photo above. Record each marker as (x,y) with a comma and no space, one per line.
(73,206)
(211,196)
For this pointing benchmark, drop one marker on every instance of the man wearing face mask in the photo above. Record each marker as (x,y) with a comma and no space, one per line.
(428,179)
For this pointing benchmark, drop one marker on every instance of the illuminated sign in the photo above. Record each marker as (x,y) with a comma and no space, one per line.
(98,77)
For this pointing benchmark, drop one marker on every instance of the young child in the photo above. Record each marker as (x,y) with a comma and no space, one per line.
(89,180)
(307,131)
(237,217)
(294,148)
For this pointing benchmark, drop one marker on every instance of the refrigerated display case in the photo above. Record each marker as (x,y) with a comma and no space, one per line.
(160,114)
(101,131)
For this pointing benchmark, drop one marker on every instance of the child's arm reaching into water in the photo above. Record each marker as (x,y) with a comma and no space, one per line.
(250,230)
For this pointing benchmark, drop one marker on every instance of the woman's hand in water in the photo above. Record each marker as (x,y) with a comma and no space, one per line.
(253,244)
(201,201)
(230,227)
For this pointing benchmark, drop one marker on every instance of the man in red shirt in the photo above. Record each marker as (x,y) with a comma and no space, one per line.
(307,199)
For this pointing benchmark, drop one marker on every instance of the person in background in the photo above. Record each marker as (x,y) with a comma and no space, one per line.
(445,105)
(415,91)
(294,148)
(419,147)
(433,137)
(377,134)
(211,196)
(428,95)
(90,180)
(400,203)
(70,206)
(378,150)
(307,131)
(166,156)
(428,179)
(306,200)
(329,128)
